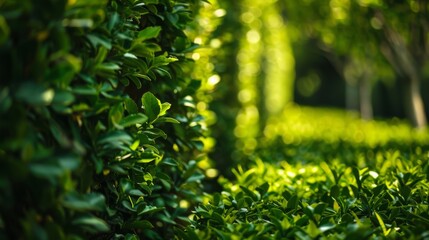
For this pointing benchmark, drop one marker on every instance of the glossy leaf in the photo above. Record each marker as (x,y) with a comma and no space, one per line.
(133,119)
(148,33)
(152,106)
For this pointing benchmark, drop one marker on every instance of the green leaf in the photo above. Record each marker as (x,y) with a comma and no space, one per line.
(146,160)
(136,81)
(195,177)
(312,230)
(356,174)
(64,98)
(326,227)
(145,49)
(114,20)
(91,224)
(150,210)
(217,217)
(69,162)
(164,107)
(249,193)
(130,105)
(35,94)
(142,76)
(108,66)
(126,204)
(85,90)
(292,202)
(101,55)
(277,213)
(116,114)
(151,105)
(126,185)
(155,133)
(263,189)
(148,33)
(46,170)
(147,156)
(133,119)
(85,202)
(115,138)
(167,120)
(162,60)
(59,133)
(328,172)
(96,41)
(382,225)
(320,208)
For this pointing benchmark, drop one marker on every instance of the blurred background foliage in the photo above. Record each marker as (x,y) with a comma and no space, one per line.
(365,57)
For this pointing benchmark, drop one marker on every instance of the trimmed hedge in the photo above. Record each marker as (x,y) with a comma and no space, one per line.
(319,179)
(100,133)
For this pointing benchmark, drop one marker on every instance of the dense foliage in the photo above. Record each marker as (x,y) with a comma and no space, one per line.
(100,133)
(366,180)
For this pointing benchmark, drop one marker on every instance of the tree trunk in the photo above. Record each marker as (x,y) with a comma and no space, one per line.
(365,99)
(404,62)
(415,106)
(352,96)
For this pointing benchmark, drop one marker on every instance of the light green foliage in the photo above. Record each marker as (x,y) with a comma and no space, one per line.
(333,125)
(329,184)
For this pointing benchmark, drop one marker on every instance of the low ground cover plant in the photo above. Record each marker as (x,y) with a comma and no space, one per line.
(326,187)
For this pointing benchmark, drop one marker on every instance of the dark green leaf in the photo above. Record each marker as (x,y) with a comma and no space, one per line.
(63,98)
(133,119)
(91,224)
(35,94)
(130,106)
(167,120)
(85,202)
(293,202)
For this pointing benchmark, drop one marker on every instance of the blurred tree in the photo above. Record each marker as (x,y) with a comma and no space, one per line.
(255,65)
(367,40)
(266,70)
(405,45)
(225,102)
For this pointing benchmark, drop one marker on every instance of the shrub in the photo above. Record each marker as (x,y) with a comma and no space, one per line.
(323,184)
(100,134)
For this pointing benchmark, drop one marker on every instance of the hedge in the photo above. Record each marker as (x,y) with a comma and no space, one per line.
(325,174)
(101,138)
